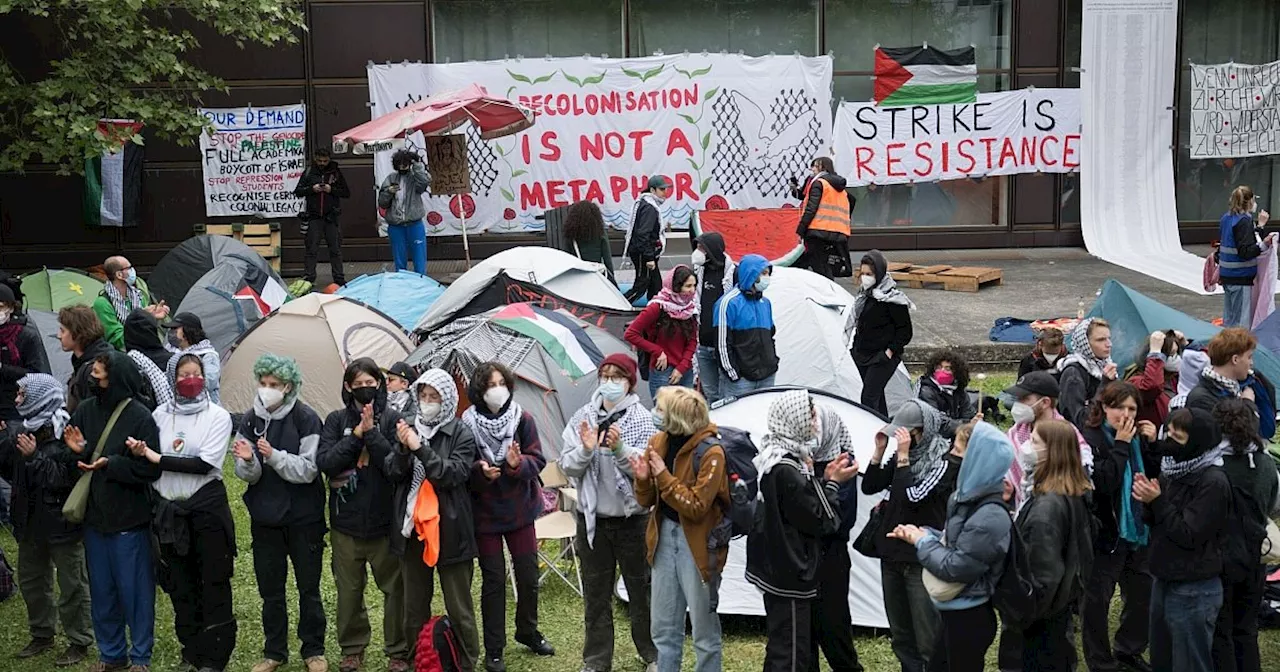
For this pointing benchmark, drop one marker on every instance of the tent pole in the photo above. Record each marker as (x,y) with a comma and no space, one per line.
(466,246)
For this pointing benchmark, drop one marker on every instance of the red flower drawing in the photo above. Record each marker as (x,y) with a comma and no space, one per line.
(462,203)
(508,214)
(717,202)
(434,218)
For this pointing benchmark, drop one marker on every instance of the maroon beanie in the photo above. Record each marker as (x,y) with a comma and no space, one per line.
(625,362)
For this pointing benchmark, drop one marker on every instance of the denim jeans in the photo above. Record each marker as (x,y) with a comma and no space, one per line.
(913,620)
(741,386)
(709,373)
(676,586)
(1237,309)
(408,241)
(1183,616)
(660,379)
(122,594)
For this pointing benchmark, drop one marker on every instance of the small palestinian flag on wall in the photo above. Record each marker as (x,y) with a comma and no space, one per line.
(925,76)
(113,181)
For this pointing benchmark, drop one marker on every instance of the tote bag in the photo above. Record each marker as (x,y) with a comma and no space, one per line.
(78,501)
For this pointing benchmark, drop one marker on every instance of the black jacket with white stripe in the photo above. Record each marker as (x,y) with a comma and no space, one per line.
(785,547)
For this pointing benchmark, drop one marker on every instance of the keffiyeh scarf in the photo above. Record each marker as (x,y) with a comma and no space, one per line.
(886,291)
(790,431)
(123,304)
(1082,352)
(43,403)
(928,457)
(1173,470)
(676,305)
(635,427)
(833,436)
(1230,386)
(442,383)
(494,435)
(160,387)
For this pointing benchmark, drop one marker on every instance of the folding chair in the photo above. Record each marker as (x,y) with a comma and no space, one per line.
(559,525)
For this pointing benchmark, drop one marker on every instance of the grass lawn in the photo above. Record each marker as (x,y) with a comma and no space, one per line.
(560,615)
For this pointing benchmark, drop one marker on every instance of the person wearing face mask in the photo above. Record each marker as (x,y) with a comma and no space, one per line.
(354,447)
(1156,375)
(401,197)
(743,319)
(21,351)
(646,239)
(598,444)
(191,340)
(666,331)
(435,531)
(920,477)
(323,186)
(123,293)
(715,271)
(400,396)
(1186,508)
(795,510)
(880,326)
(1121,453)
(275,454)
(944,389)
(1035,398)
(1044,357)
(1086,369)
(117,518)
(1238,256)
(192,521)
(507,497)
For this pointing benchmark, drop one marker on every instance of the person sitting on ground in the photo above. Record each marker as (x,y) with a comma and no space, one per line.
(666,331)
(400,397)
(80,333)
(715,271)
(943,387)
(123,293)
(880,322)
(586,237)
(1035,399)
(1086,369)
(1155,374)
(189,335)
(141,337)
(743,318)
(1044,357)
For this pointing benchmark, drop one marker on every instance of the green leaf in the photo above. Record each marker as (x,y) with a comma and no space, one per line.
(519,77)
(710,94)
(545,78)
(687,118)
(594,79)
(686,73)
(632,73)
(137,139)
(699,73)
(573,79)
(706,140)
(518,173)
(498,148)
(507,195)
(694,164)
(510,89)
(705,183)
(652,73)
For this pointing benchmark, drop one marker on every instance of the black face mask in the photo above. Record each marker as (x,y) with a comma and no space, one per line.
(99,391)
(403,171)
(1178,451)
(364,395)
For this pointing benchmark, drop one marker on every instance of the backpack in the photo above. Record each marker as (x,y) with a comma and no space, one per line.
(739,452)
(1016,592)
(1243,536)
(437,647)
(8,585)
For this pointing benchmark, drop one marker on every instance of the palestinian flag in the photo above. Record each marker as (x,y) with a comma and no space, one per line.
(565,341)
(925,76)
(113,181)
(260,293)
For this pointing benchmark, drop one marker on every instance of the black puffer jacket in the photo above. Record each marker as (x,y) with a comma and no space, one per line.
(41,484)
(447,460)
(1186,526)
(881,326)
(785,547)
(361,498)
(955,404)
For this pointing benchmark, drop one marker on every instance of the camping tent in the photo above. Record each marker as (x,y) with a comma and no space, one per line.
(52,289)
(1133,316)
(59,360)
(553,354)
(750,412)
(232,297)
(809,313)
(404,295)
(180,269)
(324,333)
(559,272)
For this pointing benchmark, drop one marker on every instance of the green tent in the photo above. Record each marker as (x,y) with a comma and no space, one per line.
(52,290)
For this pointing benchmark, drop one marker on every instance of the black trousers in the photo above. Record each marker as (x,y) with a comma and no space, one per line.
(787,625)
(1048,644)
(648,281)
(273,549)
(1235,640)
(332,233)
(831,627)
(1126,567)
(964,639)
(199,585)
(876,373)
(816,257)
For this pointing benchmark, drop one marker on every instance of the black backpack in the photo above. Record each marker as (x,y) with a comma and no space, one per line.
(739,452)
(1016,592)
(1243,536)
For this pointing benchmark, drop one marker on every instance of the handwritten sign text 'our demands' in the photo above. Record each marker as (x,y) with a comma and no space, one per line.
(1235,110)
(1006,133)
(726,130)
(253,160)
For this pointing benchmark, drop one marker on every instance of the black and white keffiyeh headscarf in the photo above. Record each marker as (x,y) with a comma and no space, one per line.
(635,427)
(43,403)
(442,383)
(494,434)
(790,433)
(1082,352)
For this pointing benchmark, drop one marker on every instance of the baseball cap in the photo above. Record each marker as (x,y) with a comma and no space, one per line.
(659,182)
(909,416)
(403,370)
(184,320)
(1036,382)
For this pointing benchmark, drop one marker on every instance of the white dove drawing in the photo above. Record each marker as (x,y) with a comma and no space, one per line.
(765,150)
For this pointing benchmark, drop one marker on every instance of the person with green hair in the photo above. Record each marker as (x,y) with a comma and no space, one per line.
(275,453)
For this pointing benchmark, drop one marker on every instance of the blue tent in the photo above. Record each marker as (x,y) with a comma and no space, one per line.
(404,296)
(1133,316)
(1268,332)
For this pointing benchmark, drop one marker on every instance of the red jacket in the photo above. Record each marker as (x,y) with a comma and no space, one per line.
(644,334)
(1157,387)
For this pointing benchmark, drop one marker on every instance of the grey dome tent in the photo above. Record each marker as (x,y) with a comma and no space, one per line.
(232,297)
(59,360)
(180,269)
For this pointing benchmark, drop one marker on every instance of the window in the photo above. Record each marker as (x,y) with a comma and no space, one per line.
(756,27)
(477,30)
(855,27)
(1218,31)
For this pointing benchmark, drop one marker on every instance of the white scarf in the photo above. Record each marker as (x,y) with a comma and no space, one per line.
(494,435)
(442,383)
(635,427)
(631,225)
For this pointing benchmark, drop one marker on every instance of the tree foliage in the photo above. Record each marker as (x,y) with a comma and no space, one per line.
(119,59)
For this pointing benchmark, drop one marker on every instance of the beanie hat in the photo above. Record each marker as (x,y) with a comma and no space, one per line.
(625,362)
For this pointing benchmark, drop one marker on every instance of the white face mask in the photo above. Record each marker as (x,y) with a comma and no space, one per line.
(1173,363)
(496,397)
(5,314)
(428,412)
(698,258)
(1023,414)
(867,282)
(270,397)
(1052,358)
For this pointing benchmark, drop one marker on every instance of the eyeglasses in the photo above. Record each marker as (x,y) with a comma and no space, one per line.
(613,379)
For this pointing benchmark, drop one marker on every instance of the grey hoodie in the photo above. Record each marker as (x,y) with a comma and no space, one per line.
(404,206)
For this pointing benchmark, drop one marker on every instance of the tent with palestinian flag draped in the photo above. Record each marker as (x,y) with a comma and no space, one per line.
(925,76)
(113,181)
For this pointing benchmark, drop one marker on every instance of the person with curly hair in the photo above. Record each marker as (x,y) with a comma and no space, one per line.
(275,453)
(400,196)
(943,388)
(586,237)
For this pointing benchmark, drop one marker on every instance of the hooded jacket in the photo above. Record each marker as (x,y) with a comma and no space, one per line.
(41,484)
(120,494)
(1156,386)
(955,404)
(361,498)
(30,357)
(80,386)
(286,489)
(212,367)
(1036,361)
(321,205)
(881,325)
(1186,520)
(743,319)
(142,333)
(714,279)
(815,199)
(405,206)
(645,239)
(930,511)
(979,526)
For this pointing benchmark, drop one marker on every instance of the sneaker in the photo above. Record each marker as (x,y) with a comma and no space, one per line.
(104,666)
(34,648)
(317,664)
(351,663)
(267,665)
(494,664)
(72,656)
(398,665)
(538,644)
(651,667)
(185,666)
(1134,663)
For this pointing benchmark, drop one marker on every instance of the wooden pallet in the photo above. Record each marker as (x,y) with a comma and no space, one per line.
(263,238)
(952,278)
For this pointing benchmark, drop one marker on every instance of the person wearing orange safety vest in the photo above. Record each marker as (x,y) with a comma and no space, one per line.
(824,222)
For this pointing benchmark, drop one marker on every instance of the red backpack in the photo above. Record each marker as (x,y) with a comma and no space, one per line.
(437,647)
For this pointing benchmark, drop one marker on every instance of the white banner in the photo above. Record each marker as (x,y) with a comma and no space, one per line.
(726,130)
(1235,110)
(1027,131)
(253,159)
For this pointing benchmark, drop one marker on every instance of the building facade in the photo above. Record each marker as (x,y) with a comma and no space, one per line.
(1019,43)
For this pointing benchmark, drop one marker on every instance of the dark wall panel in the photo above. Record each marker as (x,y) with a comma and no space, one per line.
(336,109)
(1034,199)
(30,43)
(221,56)
(1038,39)
(346,37)
(172,202)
